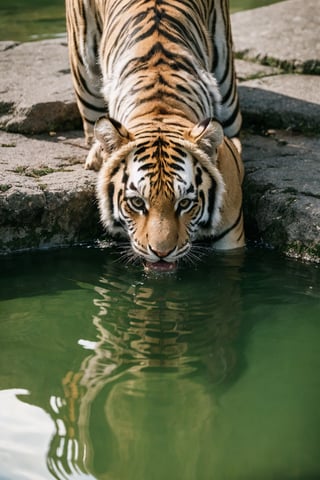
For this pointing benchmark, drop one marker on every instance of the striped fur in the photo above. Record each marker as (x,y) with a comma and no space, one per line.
(160,71)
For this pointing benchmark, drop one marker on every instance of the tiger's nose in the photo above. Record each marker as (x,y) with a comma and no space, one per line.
(161,253)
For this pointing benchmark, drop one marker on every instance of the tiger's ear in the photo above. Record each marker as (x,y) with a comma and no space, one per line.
(111,134)
(208,135)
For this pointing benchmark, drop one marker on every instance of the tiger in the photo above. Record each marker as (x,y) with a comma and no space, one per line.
(156,89)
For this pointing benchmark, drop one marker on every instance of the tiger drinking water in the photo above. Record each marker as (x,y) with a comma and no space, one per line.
(156,89)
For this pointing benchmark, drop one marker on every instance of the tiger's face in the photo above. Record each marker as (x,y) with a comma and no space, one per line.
(161,192)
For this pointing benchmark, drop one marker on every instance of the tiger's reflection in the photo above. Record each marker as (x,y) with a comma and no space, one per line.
(147,387)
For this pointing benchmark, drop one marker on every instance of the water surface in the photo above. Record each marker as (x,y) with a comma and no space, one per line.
(211,373)
(25,20)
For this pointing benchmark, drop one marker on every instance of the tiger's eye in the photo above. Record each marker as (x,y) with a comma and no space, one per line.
(137,203)
(185,203)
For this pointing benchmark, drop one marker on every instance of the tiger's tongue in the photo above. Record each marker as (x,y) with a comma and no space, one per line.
(161,266)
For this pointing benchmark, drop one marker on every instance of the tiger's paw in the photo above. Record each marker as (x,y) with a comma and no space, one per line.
(94,158)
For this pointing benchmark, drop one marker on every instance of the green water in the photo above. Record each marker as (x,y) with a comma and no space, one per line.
(211,373)
(26,20)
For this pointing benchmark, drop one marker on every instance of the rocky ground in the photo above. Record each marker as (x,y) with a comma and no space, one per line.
(47,198)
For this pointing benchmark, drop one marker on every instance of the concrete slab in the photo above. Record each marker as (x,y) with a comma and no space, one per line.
(282,192)
(284,34)
(282,101)
(48,199)
(46,196)
(36,93)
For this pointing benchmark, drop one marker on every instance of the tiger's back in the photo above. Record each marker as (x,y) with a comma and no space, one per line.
(160,70)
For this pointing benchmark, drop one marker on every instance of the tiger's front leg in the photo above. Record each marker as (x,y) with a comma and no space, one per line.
(84,35)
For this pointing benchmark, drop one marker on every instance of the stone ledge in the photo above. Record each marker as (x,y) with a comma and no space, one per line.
(46,196)
(282,101)
(284,34)
(48,199)
(38,95)
(282,192)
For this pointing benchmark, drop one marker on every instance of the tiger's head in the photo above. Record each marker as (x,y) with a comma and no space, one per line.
(163,190)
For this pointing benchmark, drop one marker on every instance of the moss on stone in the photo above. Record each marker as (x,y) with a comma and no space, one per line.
(4,187)
(309,253)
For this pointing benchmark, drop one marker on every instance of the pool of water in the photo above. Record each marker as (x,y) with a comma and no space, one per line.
(25,20)
(211,373)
